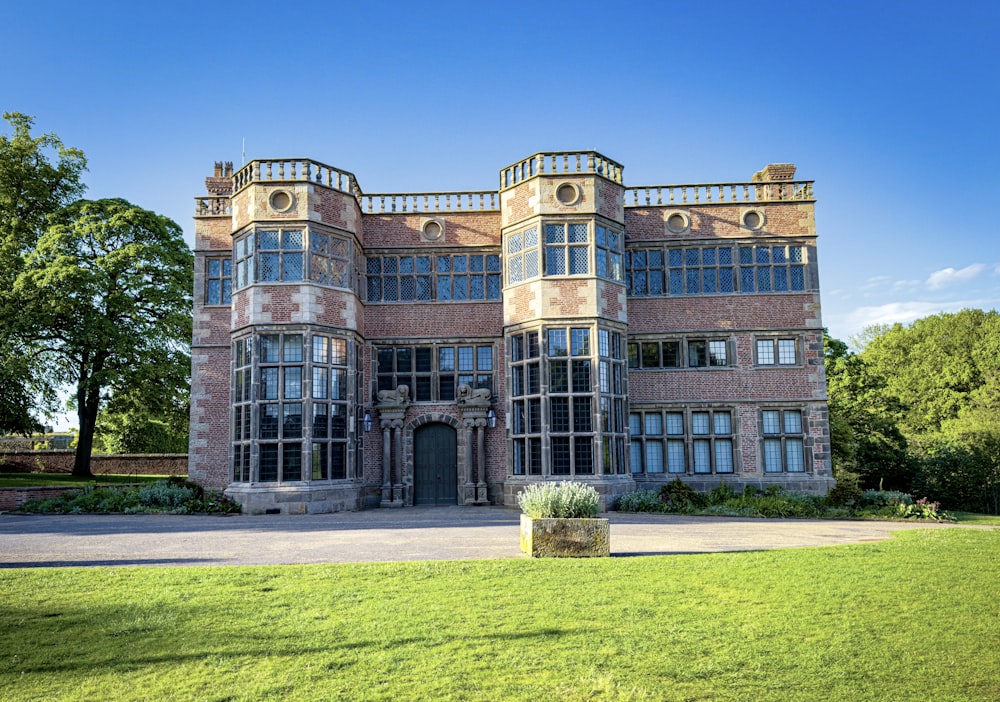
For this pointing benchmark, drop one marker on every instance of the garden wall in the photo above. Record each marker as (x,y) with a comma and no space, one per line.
(126,464)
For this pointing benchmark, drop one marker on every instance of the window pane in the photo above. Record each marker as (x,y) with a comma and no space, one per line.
(559,414)
(268,421)
(582,414)
(268,463)
(581,376)
(291,421)
(293,348)
(293,383)
(558,378)
(765,352)
(772,455)
(786,351)
(717,353)
(723,423)
(654,424)
(771,422)
(793,456)
(702,456)
(555,261)
(675,423)
(557,342)
(793,422)
(293,266)
(268,383)
(320,383)
(654,456)
(583,455)
(635,424)
(723,456)
(560,455)
(675,457)
(291,461)
(699,423)
(636,456)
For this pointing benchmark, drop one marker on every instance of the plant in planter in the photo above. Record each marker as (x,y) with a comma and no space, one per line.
(560,520)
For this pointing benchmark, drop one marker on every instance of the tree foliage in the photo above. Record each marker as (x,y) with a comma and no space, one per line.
(38,177)
(918,408)
(107,292)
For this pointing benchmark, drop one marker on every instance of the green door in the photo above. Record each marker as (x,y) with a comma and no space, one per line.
(435,466)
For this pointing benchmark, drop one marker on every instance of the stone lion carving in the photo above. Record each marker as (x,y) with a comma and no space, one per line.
(399,396)
(476,396)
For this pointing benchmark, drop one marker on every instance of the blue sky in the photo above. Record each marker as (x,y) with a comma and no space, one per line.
(891,107)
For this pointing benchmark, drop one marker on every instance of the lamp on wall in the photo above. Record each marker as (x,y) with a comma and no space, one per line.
(491,418)
(366,422)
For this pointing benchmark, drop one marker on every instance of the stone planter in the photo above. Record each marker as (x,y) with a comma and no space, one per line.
(565,538)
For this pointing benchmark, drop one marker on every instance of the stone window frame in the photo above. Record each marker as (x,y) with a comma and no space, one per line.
(676,445)
(681,348)
(609,248)
(218,280)
(249,400)
(423,276)
(525,401)
(773,351)
(568,407)
(434,374)
(731,268)
(782,440)
(326,257)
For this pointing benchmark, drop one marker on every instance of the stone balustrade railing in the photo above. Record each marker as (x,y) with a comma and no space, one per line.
(295,170)
(561,162)
(719,193)
(212,205)
(384,203)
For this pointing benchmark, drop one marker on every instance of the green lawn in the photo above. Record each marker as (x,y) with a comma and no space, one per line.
(912,618)
(8,480)
(978,519)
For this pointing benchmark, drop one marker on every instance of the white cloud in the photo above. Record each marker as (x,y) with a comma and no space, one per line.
(948,276)
(848,323)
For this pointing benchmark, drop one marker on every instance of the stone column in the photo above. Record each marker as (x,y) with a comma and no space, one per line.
(391,423)
(481,498)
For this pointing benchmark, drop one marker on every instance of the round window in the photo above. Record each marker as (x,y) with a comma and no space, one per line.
(568,194)
(678,223)
(432,229)
(753,220)
(281,200)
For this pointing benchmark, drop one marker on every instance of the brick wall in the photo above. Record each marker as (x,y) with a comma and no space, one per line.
(62,462)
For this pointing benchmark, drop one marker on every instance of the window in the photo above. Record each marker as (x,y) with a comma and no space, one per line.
(301,392)
(783,449)
(523,256)
(468,277)
(526,403)
(276,255)
(662,441)
(772,269)
(218,280)
(434,372)
(566,249)
(780,352)
(679,353)
(712,270)
(570,401)
(443,278)
(609,253)
(329,260)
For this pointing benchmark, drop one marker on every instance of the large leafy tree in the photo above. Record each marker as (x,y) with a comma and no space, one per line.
(38,177)
(107,292)
(864,434)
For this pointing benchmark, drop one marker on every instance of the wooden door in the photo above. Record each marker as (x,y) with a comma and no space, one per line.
(435,465)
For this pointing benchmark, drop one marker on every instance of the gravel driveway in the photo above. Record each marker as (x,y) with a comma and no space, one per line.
(417,533)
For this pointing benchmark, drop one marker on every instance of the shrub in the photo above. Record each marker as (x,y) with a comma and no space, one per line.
(639,501)
(720,495)
(846,492)
(568,500)
(678,496)
(170,496)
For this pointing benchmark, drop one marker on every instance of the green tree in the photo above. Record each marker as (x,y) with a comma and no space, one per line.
(107,293)
(38,177)
(864,436)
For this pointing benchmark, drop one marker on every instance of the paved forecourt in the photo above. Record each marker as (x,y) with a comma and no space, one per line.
(428,533)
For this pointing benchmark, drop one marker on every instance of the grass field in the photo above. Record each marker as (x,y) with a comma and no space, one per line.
(915,617)
(8,480)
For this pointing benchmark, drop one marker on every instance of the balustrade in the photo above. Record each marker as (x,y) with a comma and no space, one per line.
(212,205)
(478,201)
(561,162)
(296,171)
(719,193)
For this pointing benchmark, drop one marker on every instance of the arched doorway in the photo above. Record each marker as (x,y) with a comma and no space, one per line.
(435,465)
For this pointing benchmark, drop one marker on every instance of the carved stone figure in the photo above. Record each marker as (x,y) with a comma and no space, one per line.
(476,396)
(399,396)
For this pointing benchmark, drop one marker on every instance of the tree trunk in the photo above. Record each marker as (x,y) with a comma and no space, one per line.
(87,402)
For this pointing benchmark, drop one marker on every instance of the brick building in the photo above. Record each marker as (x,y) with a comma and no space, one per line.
(355,350)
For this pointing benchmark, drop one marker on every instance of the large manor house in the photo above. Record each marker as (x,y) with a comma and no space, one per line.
(355,350)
